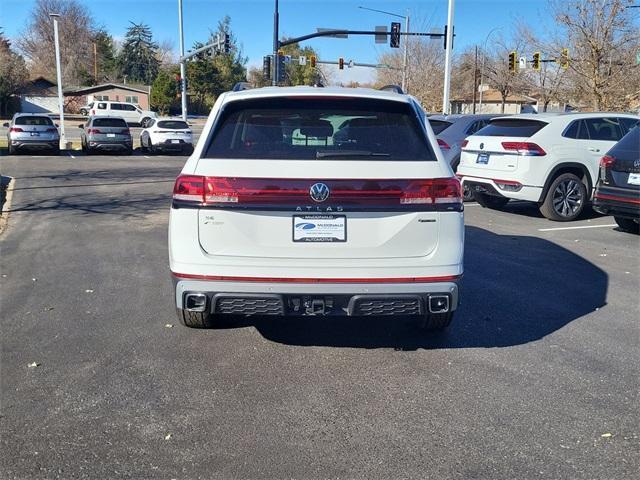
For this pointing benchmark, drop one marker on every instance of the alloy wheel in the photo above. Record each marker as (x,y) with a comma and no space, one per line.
(567,198)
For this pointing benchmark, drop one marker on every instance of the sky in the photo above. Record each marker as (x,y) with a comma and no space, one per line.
(252,22)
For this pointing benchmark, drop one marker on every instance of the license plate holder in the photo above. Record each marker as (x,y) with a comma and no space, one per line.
(111,135)
(35,134)
(175,141)
(634,179)
(483,158)
(319,228)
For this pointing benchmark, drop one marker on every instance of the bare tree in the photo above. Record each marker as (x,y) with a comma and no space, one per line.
(602,40)
(166,54)
(76,29)
(497,68)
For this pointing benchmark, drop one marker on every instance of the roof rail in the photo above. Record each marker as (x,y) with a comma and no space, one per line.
(392,88)
(240,86)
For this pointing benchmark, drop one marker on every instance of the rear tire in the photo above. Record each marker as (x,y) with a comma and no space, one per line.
(490,201)
(437,321)
(55,151)
(628,225)
(12,150)
(565,198)
(195,319)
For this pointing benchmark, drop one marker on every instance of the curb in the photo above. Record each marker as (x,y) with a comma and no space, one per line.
(6,206)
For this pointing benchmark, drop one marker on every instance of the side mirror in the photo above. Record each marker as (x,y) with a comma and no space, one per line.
(5,125)
(81,126)
(57,126)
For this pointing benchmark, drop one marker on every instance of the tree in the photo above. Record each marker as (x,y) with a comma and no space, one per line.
(75,26)
(296,74)
(13,73)
(602,40)
(138,58)
(497,69)
(163,91)
(106,57)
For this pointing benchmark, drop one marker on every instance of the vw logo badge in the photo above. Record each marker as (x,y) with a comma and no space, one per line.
(481,146)
(636,163)
(319,192)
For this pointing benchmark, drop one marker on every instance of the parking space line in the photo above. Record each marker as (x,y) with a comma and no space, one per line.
(577,228)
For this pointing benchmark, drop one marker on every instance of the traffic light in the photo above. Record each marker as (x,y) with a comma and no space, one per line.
(564,58)
(394,38)
(266,67)
(312,61)
(513,64)
(536,61)
(341,63)
(227,43)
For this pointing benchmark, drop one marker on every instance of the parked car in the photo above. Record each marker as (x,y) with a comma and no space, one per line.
(166,134)
(86,109)
(133,114)
(451,131)
(32,131)
(106,134)
(278,212)
(618,189)
(550,159)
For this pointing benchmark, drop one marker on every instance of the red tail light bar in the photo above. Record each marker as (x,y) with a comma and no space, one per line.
(16,129)
(270,193)
(464,143)
(607,161)
(525,148)
(443,145)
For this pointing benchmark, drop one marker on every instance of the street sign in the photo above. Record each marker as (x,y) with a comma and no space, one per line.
(287,59)
(335,35)
(638,58)
(302,60)
(523,63)
(380,38)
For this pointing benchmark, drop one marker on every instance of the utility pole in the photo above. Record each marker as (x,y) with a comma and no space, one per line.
(95,62)
(447,60)
(475,80)
(183,66)
(63,138)
(276,21)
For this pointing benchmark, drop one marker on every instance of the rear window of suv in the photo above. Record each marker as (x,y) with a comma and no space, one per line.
(310,128)
(439,126)
(173,125)
(512,127)
(33,120)
(109,122)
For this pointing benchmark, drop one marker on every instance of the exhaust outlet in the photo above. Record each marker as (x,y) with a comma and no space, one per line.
(438,303)
(195,302)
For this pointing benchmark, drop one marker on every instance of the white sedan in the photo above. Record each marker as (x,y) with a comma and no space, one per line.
(166,134)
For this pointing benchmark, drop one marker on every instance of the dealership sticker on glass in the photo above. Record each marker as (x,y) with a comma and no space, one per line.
(634,179)
(319,228)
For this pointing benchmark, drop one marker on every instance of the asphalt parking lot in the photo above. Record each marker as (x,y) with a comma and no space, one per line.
(536,378)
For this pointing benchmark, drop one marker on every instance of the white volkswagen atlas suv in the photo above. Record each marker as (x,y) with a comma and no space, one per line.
(316,201)
(551,159)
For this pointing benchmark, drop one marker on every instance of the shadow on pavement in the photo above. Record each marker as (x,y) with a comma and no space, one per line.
(516,290)
(530,209)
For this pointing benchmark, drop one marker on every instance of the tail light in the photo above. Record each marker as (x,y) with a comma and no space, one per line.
(464,143)
(443,145)
(92,112)
(16,129)
(269,193)
(93,130)
(525,148)
(607,161)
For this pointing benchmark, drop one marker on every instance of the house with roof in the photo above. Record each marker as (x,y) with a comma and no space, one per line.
(114,92)
(39,95)
(492,103)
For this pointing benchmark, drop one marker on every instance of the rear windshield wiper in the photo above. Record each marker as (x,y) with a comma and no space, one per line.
(349,153)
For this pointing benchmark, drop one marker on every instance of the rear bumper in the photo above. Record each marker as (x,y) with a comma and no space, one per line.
(168,146)
(619,202)
(501,187)
(279,298)
(110,146)
(35,144)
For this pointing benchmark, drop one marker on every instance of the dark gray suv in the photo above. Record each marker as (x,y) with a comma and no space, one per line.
(106,134)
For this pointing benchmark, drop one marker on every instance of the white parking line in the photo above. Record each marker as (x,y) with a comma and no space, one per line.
(467,204)
(576,228)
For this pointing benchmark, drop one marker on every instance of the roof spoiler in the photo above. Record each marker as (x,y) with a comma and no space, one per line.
(240,86)
(392,88)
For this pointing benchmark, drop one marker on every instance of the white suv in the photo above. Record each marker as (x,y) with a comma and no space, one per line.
(316,201)
(550,159)
(130,112)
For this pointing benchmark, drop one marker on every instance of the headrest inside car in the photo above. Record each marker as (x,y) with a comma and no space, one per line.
(317,128)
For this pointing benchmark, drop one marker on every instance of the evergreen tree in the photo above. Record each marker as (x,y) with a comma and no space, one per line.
(138,58)
(163,91)
(13,74)
(107,62)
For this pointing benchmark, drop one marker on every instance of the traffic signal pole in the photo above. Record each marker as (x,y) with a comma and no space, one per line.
(276,45)
(183,66)
(447,60)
